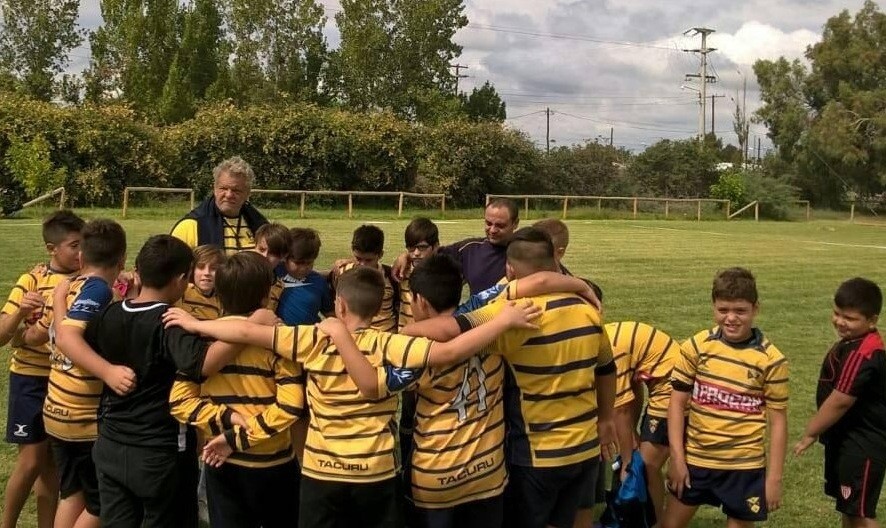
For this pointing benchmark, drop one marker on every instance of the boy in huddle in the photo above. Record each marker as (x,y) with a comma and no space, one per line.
(851,399)
(733,380)
(306,294)
(422,241)
(350,466)
(29,372)
(200,298)
(256,485)
(272,242)
(368,247)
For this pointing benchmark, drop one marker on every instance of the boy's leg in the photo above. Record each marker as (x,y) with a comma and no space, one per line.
(79,504)
(120,505)
(228,497)
(855,481)
(321,503)
(24,427)
(188,480)
(579,481)
(859,522)
(530,494)
(677,514)
(654,450)
(486,513)
(272,494)
(376,504)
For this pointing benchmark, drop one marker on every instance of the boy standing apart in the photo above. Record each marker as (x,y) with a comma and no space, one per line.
(851,399)
(29,373)
(733,380)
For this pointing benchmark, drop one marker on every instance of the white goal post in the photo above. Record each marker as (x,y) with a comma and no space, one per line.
(170,190)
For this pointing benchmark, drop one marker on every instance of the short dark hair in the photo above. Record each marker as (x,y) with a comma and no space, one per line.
(60,224)
(162,259)
(438,279)
(555,229)
(104,244)
(276,236)
(304,243)
(363,289)
(243,282)
(368,239)
(420,230)
(734,284)
(507,203)
(859,294)
(532,247)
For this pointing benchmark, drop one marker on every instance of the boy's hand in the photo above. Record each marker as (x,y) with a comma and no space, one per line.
(678,478)
(591,297)
(30,307)
(265,317)
(39,268)
(804,444)
(120,379)
(519,314)
(608,441)
(338,265)
(398,269)
(773,493)
(238,419)
(180,318)
(333,327)
(216,451)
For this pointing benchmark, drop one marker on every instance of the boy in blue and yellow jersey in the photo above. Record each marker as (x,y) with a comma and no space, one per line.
(457,470)
(559,392)
(272,242)
(732,379)
(851,399)
(349,477)
(306,294)
(200,298)
(367,247)
(72,400)
(142,475)
(644,356)
(255,487)
(29,372)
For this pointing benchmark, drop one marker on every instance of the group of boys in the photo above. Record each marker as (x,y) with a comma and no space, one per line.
(395,405)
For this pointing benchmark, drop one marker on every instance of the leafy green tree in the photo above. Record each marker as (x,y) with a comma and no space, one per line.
(591,169)
(176,102)
(484,104)
(202,47)
(36,37)
(678,169)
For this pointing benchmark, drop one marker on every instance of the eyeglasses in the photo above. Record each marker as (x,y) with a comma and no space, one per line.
(421,247)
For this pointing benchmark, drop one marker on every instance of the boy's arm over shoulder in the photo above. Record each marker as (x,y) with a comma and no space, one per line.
(188,407)
(186,351)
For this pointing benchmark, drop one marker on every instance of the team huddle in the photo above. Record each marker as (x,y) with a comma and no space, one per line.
(226,371)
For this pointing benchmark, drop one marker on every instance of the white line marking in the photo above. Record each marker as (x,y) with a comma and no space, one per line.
(862,246)
(679,230)
(11,224)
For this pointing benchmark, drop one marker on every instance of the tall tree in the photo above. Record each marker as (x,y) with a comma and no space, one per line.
(36,37)
(484,104)
(202,47)
(364,61)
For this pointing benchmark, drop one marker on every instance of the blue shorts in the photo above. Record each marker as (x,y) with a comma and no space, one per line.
(654,430)
(741,493)
(24,418)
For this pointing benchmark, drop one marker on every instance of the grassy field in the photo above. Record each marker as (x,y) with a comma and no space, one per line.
(653,271)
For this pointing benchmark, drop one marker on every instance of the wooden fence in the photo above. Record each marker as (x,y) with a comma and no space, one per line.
(633,200)
(60,192)
(167,190)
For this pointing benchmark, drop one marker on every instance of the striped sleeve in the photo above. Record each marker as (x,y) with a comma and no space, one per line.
(683,374)
(299,343)
(187,406)
(861,367)
(775,388)
(405,352)
(288,407)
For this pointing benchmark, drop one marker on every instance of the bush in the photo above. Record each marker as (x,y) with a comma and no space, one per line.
(730,186)
(775,196)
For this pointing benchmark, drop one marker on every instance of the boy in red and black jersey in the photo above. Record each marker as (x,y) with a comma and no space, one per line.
(851,399)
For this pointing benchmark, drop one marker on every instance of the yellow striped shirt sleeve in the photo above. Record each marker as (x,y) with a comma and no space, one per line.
(280,415)
(687,362)
(299,343)
(775,388)
(187,406)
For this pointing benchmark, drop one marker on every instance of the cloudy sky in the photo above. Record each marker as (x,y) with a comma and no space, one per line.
(601,64)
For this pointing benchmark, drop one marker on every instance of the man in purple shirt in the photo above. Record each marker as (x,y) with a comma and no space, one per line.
(482,259)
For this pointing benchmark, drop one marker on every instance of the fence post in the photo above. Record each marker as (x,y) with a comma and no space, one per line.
(667,208)
(565,206)
(301,206)
(599,204)
(635,208)
(852,212)
(808,211)
(350,205)
(488,198)
(756,211)
(61,201)
(728,208)
(400,206)
(125,200)
(192,198)
(699,211)
(443,206)
(526,208)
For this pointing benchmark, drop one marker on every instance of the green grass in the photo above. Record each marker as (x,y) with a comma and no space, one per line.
(653,271)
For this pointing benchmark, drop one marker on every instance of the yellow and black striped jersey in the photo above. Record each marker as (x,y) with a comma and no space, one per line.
(643,354)
(266,389)
(550,400)
(203,307)
(28,360)
(275,294)
(238,236)
(405,315)
(732,386)
(459,433)
(386,320)
(71,406)
(350,438)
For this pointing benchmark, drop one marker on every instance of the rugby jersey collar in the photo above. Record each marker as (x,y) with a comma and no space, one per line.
(134,307)
(755,341)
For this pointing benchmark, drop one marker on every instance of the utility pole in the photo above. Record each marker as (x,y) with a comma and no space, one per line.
(702,75)
(548,131)
(759,154)
(713,114)
(611,135)
(458,75)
